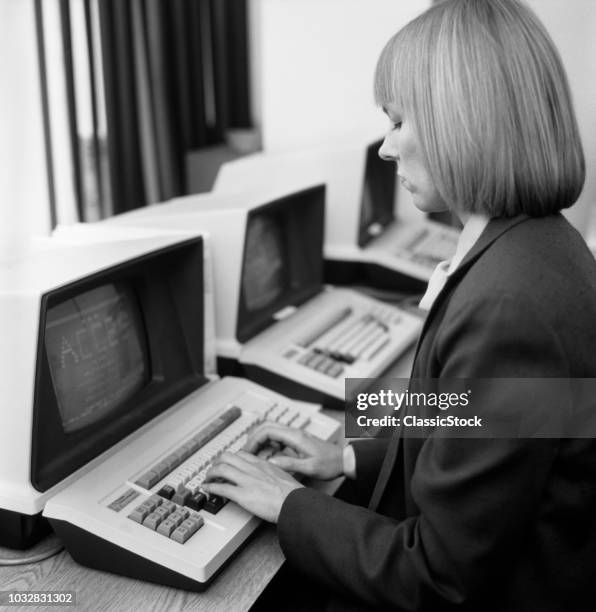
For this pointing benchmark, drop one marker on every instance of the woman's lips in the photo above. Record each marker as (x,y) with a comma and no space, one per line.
(404,182)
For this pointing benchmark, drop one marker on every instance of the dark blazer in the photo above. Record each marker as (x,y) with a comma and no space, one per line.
(475,524)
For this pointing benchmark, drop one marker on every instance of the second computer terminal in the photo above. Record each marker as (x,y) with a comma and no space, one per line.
(372,232)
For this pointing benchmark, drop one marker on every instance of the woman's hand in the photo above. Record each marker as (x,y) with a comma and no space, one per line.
(254,484)
(302,453)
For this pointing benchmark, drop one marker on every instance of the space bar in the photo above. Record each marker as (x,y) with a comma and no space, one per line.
(173,460)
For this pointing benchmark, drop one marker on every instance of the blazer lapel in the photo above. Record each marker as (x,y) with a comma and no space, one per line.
(495,228)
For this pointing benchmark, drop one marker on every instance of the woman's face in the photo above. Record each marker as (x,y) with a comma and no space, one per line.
(402,146)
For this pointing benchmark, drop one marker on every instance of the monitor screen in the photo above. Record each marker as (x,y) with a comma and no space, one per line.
(282,264)
(264,274)
(378,195)
(96,352)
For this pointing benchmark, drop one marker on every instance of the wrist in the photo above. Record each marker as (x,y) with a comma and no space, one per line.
(284,497)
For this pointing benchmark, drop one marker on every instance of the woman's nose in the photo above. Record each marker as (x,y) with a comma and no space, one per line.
(388,150)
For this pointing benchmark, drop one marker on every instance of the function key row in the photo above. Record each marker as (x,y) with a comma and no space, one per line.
(173,460)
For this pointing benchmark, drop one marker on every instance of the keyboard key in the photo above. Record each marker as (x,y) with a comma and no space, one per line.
(152,521)
(287,417)
(181,534)
(193,524)
(194,485)
(167,492)
(215,503)
(179,515)
(185,451)
(148,479)
(167,526)
(197,501)
(150,504)
(155,499)
(301,421)
(335,371)
(325,364)
(163,512)
(169,506)
(275,412)
(172,461)
(161,469)
(182,497)
(316,361)
(139,514)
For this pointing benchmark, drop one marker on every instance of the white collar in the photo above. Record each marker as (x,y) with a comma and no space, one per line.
(470,233)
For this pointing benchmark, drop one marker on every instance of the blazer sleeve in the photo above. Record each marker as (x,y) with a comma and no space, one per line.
(369,455)
(475,497)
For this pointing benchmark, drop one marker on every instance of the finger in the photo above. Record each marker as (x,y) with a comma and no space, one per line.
(249,458)
(246,463)
(228,472)
(223,489)
(292,464)
(278,433)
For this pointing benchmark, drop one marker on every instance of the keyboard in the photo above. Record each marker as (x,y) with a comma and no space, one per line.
(142,510)
(428,246)
(338,334)
(412,248)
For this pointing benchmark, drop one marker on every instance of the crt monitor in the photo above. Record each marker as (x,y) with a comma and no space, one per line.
(105,338)
(115,350)
(282,262)
(378,195)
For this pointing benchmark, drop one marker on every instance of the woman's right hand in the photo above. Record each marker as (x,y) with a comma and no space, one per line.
(302,453)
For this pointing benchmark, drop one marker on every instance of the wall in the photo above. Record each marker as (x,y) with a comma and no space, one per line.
(572,25)
(313,62)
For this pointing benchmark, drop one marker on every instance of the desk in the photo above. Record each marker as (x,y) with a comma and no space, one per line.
(235,589)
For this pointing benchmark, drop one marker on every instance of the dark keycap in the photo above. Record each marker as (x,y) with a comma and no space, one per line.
(215,503)
(197,501)
(167,492)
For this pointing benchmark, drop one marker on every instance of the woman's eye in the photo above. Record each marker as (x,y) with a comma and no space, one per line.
(396,126)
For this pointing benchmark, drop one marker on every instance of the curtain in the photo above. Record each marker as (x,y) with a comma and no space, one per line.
(142,83)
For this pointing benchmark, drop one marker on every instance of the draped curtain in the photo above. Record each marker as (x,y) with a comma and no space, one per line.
(130,87)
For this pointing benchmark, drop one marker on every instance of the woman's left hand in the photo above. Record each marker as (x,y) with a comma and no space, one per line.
(257,485)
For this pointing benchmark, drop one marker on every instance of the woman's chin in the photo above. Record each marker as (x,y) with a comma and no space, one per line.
(427,206)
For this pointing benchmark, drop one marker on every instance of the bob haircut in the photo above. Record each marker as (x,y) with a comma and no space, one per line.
(485,88)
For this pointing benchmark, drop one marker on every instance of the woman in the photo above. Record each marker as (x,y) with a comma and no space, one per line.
(482,125)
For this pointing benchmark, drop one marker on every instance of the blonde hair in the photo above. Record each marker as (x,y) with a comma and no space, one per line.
(488,96)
